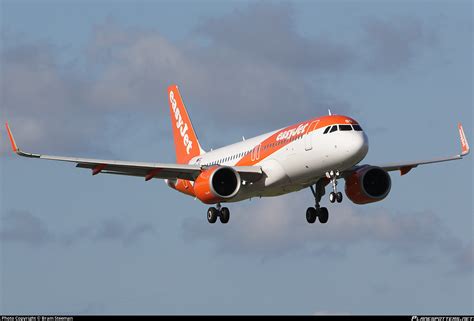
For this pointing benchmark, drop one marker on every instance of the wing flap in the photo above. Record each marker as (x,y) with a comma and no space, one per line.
(163,171)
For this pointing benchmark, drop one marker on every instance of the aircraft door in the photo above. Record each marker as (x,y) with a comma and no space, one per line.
(308,145)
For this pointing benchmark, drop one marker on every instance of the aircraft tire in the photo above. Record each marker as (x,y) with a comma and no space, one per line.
(224,215)
(311,215)
(212,215)
(323,215)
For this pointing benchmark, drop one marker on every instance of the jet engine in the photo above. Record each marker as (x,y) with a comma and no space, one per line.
(368,185)
(217,184)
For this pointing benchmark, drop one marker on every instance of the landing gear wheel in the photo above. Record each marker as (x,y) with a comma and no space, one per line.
(332,197)
(224,215)
(339,197)
(212,215)
(311,215)
(323,215)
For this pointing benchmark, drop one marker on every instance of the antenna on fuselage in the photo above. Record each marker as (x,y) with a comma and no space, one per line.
(329,111)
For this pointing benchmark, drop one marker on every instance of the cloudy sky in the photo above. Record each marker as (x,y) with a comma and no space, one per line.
(88,78)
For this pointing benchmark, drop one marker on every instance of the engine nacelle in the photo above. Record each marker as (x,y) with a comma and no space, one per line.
(367,185)
(217,184)
(182,185)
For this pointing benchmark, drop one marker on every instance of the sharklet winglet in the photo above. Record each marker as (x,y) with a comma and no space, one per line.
(15,146)
(464,144)
(12,139)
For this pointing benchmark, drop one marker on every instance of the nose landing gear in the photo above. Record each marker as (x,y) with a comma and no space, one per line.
(334,195)
(318,190)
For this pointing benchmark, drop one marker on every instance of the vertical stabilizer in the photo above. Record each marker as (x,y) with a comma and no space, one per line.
(185,139)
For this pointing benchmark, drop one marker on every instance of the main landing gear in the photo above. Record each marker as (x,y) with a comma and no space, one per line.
(222,212)
(317,212)
(318,191)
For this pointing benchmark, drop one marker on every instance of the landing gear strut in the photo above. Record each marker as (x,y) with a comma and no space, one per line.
(214,212)
(317,212)
(334,195)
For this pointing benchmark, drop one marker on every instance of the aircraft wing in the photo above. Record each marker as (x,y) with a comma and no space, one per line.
(139,169)
(405,167)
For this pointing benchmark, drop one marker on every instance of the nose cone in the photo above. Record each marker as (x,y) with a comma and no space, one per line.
(358,146)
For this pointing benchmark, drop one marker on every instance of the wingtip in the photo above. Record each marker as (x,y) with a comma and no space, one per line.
(464,144)
(12,139)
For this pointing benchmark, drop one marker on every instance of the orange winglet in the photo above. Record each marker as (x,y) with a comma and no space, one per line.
(12,140)
(464,143)
(96,170)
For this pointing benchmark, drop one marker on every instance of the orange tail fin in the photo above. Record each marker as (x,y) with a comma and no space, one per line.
(185,139)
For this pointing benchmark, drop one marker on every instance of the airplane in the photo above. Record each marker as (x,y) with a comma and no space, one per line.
(310,154)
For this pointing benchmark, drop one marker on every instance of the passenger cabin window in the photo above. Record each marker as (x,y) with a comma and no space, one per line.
(357,128)
(345,127)
(326,130)
(333,129)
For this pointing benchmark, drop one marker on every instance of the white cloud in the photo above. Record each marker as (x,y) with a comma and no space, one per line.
(251,63)
(393,44)
(277,226)
(24,227)
(464,259)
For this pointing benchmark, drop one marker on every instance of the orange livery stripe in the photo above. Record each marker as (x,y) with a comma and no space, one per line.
(284,136)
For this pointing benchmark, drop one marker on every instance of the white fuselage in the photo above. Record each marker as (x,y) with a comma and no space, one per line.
(300,162)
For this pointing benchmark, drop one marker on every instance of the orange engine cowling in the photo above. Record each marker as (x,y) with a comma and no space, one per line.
(217,184)
(367,185)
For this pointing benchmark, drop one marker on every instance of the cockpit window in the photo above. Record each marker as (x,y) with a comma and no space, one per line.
(345,127)
(333,129)
(357,127)
(326,130)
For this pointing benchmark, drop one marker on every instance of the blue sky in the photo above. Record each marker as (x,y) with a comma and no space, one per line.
(89,78)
